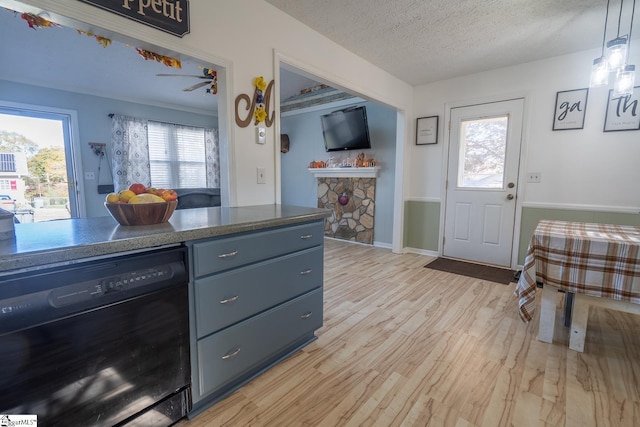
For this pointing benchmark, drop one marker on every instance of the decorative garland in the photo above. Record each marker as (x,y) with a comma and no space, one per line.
(102,40)
(166,60)
(36,21)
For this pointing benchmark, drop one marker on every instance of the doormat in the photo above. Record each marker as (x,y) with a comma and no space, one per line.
(477,271)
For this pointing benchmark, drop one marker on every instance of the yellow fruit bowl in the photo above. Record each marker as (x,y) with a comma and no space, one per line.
(141,213)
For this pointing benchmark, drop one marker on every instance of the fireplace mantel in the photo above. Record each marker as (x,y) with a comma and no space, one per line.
(345,172)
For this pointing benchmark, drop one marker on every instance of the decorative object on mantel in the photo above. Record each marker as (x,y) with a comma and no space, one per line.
(622,112)
(340,172)
(258,108)
(359,162)
(571,106)
(615,60)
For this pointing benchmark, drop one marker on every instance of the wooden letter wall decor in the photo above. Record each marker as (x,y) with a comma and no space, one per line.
(251,107)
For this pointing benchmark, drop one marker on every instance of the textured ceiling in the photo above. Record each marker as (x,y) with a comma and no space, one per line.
(422,41)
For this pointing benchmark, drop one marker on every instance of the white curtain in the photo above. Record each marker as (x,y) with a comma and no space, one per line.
(213,158)
(130,149)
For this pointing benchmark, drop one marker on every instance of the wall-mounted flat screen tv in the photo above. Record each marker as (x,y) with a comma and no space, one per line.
(346,129)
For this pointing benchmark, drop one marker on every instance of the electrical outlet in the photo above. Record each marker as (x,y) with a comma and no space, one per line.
(262,179)
(89,175)
(534,177)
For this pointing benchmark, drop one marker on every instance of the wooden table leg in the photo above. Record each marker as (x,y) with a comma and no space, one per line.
(547,313)
(568,308)
(579,319)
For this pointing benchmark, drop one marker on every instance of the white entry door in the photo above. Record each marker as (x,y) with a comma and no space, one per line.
(482,182)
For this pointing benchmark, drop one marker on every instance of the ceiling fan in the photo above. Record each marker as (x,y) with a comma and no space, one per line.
(208,74)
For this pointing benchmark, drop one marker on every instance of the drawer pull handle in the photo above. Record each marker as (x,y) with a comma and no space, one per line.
(302,273)
(306,236)
(228,300)
(231,354)
(306,315)
(228,255)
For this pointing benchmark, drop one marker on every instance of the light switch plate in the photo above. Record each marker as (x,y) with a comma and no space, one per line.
(261,135)
(262,179)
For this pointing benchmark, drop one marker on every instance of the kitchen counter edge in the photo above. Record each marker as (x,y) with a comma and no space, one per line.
(64,242)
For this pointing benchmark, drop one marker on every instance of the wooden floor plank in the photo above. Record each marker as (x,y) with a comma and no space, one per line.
(403,345)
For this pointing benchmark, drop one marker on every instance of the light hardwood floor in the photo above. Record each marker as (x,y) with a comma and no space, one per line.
(403,345)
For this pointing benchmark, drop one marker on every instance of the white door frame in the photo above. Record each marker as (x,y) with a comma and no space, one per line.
(76,181)
(521,173)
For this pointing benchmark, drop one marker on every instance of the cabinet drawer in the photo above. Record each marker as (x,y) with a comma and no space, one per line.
(229,252)
(236,351)
(226,298)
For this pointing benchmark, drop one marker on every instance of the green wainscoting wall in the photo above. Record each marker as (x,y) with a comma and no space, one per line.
(531,216)
(421,225)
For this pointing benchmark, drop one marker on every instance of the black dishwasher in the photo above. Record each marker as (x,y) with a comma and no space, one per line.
(98,343)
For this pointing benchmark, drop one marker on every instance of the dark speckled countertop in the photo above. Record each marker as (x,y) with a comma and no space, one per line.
(66,241)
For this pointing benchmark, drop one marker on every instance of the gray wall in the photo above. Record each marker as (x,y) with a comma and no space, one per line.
(299,187)
(95,125)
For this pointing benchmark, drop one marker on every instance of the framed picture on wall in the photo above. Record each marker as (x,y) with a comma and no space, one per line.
(571,106)
(427,130)
(623,112)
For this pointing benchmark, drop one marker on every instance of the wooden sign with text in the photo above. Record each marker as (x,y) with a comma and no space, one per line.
(170,16)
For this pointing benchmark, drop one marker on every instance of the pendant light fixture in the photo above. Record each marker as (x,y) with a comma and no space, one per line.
(617,48)
(616,59)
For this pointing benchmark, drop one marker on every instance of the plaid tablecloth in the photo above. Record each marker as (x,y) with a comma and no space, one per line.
(601,260)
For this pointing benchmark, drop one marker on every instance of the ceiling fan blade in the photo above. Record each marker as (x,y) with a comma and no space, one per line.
(196,86)
(184,75)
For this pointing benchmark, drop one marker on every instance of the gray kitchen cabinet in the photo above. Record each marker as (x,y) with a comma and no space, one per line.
(255,298)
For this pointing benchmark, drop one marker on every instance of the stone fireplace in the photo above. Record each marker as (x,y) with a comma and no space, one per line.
(352,201)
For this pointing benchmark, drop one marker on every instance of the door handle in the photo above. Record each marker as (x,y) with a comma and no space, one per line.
(511,185)
(509,196)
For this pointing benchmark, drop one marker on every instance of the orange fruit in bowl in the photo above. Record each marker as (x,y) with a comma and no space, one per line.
(126,195)
(113,198)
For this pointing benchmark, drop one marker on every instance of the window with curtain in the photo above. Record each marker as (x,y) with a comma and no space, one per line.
(176,156)
(164,155)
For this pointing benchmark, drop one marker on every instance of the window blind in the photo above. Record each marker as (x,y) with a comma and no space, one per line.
(176,156)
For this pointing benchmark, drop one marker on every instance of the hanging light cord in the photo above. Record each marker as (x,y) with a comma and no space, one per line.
(633,11)
(620,17)
(604,33)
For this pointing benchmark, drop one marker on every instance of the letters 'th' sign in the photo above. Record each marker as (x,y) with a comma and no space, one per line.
(171,16)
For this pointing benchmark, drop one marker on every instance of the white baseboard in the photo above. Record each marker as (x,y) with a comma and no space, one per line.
(382,245)
(420,252)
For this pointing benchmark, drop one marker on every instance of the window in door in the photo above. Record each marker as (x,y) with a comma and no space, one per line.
(483,148)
